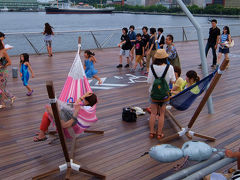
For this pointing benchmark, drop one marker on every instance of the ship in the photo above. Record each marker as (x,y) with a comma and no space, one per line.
(80,9)
(5,9)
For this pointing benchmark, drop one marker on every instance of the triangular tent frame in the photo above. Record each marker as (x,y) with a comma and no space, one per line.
(187,130)
(69,165)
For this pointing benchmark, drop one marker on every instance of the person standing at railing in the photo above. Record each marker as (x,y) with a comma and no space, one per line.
(125,46)
(145,39)
(214,34)
(160,38)
(48,32)
(24,66)
(132,37)
(223,49)
(173,57)
(151,48)
(5,61)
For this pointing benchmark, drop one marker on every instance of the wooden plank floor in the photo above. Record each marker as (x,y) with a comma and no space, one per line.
(117,152)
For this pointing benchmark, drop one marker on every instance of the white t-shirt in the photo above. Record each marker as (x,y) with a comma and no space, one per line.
(159,69)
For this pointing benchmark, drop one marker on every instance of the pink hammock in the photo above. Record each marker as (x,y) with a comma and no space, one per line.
(76,86)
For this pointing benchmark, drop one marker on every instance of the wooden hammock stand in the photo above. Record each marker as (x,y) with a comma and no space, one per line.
(69,166)
(187,131)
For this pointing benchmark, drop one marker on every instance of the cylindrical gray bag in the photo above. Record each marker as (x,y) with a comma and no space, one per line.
(14,72)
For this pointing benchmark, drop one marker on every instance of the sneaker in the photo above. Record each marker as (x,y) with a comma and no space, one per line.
(213,66)
(132,70)
(126,66)
(29,93)
(200,65)
(146,73)
(144,64)
(119,66)
(168,107)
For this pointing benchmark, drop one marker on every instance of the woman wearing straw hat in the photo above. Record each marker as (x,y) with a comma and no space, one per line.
(158,108)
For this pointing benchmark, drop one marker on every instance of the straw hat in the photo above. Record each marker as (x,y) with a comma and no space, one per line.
(161,54)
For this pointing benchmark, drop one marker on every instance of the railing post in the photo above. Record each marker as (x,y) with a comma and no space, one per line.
(201,47)
(95,40)
(34,48)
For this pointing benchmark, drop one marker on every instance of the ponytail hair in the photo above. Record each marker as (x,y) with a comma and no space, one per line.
(193,75)
(89,53)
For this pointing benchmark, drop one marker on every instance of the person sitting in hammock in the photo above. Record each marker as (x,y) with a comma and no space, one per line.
(178,85)
(191,78)
(68,116)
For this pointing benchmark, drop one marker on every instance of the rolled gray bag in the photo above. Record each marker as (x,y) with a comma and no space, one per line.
(165,153)
(192,169)
(14,72)
(210,169)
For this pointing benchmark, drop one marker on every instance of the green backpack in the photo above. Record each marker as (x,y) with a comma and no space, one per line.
(160,89)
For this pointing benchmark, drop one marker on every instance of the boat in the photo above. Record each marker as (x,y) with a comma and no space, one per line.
(80,9)
(5,9)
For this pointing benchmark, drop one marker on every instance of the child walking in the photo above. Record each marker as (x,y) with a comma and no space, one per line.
(90,71)
(24,66)
(125,45)
(139,50)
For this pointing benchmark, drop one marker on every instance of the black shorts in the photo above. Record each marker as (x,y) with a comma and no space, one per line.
(223,50)
(48,43)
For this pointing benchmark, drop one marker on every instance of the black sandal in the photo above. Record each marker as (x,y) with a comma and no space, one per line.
(38,139)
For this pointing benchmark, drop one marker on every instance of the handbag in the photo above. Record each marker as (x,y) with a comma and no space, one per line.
(3,61)
(129,114)
(229,45)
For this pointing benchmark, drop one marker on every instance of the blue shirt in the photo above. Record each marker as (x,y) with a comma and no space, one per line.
(132,36)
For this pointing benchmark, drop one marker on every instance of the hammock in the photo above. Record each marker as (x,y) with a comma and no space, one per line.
(184,99)
(76,86)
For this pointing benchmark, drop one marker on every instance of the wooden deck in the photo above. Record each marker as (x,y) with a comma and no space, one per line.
(117,152)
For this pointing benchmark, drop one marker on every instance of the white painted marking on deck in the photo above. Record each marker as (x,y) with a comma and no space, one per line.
(118,77)
(132,78)
(116,85)
(100,87)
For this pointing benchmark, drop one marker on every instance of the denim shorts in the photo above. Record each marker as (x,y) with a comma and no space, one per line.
(48,43)
(223,50)
(158,103)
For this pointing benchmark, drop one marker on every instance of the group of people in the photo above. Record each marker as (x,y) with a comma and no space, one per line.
(145,47)
(6,97)
(149,49)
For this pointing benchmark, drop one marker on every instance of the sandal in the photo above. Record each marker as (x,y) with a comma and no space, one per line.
(151,135)
(37,139)
(30,93)
(160,136)
(2,106)
(13,99)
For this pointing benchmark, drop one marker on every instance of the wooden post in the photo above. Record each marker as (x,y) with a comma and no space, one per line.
(54,105)
(79,40)
(208,93)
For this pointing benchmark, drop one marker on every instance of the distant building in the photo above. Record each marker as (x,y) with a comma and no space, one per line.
(199,3)
(135,2)
(118,2)
(232,3)
(225,3)
(19,4)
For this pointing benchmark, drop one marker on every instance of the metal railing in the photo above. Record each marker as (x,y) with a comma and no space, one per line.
(33,42)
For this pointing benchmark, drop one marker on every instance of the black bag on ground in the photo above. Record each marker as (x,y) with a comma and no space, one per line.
(129,115)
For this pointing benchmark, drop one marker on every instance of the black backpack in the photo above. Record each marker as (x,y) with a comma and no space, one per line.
(129,115)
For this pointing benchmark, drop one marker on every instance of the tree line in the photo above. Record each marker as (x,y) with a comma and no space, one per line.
(211,9)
